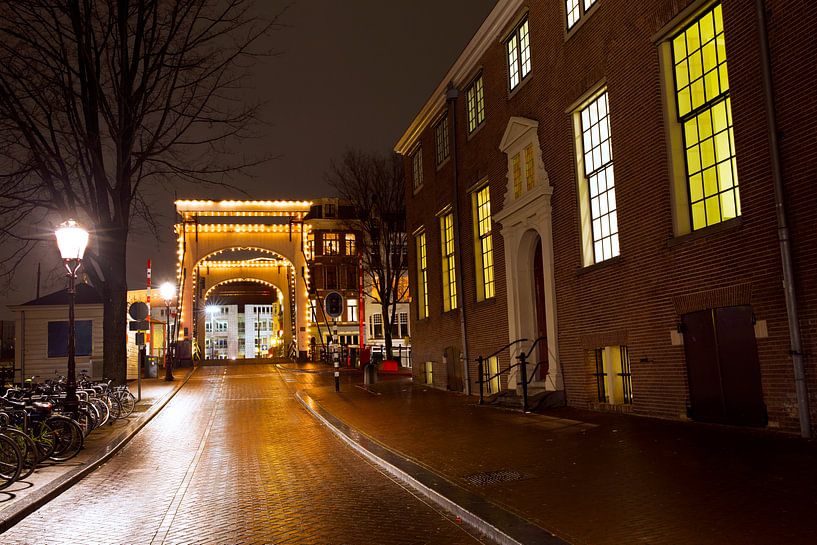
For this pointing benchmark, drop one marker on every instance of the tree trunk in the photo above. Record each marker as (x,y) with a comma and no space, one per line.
(115,297)
(387,330)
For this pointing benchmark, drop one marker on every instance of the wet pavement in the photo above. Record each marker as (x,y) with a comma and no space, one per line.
(233,458)
(261,454)
(595,478)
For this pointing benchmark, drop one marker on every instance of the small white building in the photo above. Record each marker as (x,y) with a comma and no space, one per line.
(221,328)
(41,344)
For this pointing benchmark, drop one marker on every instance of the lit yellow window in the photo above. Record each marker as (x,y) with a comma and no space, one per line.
(517,176)
(484,244)
(422,276)
(449,264)
(531,180)
(491,377)
(705,114)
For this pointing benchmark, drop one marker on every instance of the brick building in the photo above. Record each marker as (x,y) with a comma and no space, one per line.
(598,174)
(332,258)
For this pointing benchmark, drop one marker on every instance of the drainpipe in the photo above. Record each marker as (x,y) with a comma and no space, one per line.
(783,236)
(451,97)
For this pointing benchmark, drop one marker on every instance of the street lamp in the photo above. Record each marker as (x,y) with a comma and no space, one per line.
(168,292)
(71,240)
(211,310)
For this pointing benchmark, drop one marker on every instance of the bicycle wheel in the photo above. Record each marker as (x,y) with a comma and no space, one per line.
(43,436)
(27,448)
(86,420)
(127,402)
(68,438)
(104,411)
(10,461)
(115,406)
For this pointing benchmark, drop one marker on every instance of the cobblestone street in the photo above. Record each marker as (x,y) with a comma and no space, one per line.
(234,458)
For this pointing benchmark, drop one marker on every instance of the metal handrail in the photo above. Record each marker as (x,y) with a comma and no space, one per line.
(481,379)
(522,364)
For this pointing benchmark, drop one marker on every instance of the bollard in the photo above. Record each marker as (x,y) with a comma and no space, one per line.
(523,371)
(480,379)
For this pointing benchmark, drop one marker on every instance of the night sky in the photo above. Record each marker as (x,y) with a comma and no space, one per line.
(348,73)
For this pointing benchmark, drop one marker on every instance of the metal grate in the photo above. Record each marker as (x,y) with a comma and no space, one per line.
(495,477)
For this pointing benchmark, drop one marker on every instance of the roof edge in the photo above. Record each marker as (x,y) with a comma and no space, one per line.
(483,38)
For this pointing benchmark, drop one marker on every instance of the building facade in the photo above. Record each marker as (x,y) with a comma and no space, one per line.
(598,176)
(334,266)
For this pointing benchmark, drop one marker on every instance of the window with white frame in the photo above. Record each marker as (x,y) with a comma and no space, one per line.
(518,49)
(404,324)
(441,139)
(576,9)
(376,326)
(417,168)
(598,181)
(351,310)
(475,104)
(221,325)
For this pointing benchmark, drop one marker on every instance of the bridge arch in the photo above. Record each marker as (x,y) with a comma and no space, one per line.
(211,228)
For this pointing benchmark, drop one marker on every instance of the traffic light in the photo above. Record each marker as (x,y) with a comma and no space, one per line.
(333,304)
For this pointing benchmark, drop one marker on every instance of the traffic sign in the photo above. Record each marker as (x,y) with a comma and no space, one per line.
(138,311)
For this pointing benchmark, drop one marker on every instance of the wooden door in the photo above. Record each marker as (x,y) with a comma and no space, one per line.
(723,367)
(541,316)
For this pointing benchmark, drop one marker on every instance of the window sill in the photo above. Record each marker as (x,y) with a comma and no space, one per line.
(490,301)
(417,189)
(475,131)
(712,230)
(613,261)
(569,32)
(513,92)
(445,162)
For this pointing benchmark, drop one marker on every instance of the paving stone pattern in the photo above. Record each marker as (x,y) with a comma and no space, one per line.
(599,479)
(234,459)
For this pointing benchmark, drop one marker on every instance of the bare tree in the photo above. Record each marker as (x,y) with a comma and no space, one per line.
(373,184)
(99,99)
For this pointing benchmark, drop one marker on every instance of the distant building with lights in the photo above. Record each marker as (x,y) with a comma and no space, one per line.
(600,176)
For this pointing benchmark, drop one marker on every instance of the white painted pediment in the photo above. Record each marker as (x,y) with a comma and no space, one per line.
(518,128)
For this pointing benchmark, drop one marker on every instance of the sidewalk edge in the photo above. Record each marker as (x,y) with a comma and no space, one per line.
(483,516)
(62,483)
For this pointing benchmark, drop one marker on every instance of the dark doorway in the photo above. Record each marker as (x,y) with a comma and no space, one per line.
(723,367)
(453,369)
(541,316)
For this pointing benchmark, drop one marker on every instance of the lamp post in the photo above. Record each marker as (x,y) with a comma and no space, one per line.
(168,291)
(210,310)
(71,240)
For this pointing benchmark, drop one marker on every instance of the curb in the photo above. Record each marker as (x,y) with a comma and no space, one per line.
(31,503)
(476,512)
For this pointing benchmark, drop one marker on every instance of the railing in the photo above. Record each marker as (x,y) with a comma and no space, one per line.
(522,365)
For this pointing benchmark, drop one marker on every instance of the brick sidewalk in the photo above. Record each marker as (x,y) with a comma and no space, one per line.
(50,478)
(593,478)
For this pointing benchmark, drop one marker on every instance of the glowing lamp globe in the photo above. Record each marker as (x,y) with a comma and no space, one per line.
(167,291)
(72,240)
